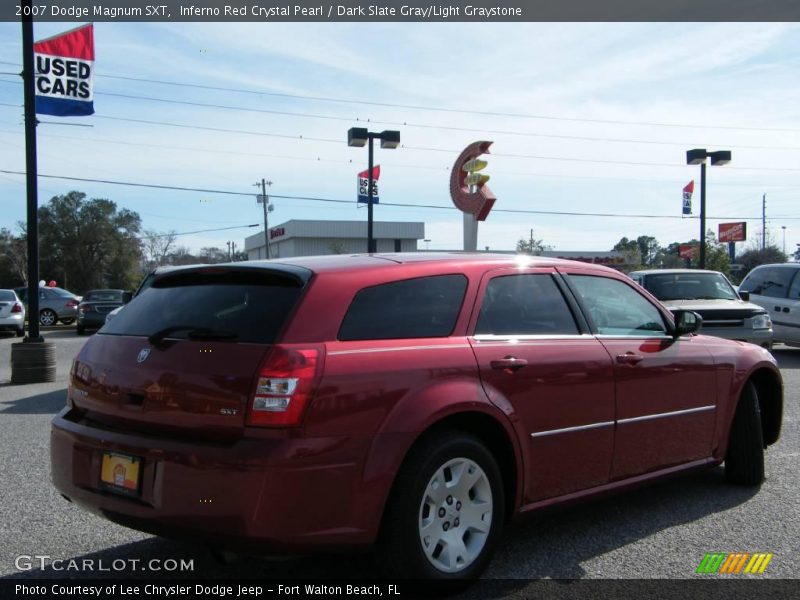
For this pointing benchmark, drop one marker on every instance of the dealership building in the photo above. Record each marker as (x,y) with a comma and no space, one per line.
(313,238)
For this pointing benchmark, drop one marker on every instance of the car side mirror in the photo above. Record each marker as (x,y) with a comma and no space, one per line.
(686,321)
(127,297)
(745,296)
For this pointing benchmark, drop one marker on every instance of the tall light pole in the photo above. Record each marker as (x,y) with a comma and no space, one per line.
(358,137)
(784,238)
(698,156)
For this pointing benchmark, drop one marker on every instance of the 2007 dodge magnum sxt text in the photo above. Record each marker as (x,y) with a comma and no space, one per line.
(414,400)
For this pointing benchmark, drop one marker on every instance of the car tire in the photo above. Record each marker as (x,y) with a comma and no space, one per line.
(67,321)
(20,332)
(47,317)
(744,462)
(429,511)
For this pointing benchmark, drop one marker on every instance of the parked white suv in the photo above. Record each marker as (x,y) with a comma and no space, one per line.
(776,288)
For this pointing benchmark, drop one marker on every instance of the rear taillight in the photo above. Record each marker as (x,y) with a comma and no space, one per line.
(72,303)
(17,308)
(286,382)
(84,308)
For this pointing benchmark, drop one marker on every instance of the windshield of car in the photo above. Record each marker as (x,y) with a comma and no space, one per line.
(689,286)
(237,305)
(7,296)
(103,296)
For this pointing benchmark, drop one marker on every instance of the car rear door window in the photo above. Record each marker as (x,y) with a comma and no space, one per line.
(772,282)
(527,304)
(412,308)
(616,308)
(794,289)
(245,305)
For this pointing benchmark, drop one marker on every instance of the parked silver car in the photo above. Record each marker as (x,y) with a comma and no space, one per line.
(12,313)
(55,304)
(710,294)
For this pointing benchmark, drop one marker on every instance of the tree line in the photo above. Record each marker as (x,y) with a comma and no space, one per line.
(92,243)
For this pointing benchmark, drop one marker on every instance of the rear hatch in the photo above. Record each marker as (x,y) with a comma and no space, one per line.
(182,358)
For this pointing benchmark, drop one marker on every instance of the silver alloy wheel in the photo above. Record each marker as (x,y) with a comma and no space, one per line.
(455,515)
(47,317)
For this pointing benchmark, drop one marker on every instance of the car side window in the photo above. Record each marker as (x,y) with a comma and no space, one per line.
(794,290)
(616,308)
(527,304)
(770,281)
(412,308)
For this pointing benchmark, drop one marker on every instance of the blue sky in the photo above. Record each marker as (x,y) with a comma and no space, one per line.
(667,87)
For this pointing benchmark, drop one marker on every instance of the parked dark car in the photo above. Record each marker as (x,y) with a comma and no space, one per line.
(55,304)
(711,295)
(96,305)
(414,400)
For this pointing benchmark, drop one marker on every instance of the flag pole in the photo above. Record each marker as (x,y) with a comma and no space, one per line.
(31,173)
(33,360)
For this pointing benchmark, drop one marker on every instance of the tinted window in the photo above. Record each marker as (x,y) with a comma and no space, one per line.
(768,281)
(689,286)
(794,290)
(524,305)
(616,308)
(245,306)
(58,292)
(103,296)
(7,296)
(423,307)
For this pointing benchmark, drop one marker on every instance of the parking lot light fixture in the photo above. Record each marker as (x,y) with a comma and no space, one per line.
(698,156)
(358,137)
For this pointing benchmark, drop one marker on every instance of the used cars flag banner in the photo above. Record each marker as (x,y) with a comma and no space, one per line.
(687,197)
(63,73)
(363,185)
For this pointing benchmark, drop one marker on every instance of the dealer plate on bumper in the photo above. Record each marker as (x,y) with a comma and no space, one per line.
(120,473)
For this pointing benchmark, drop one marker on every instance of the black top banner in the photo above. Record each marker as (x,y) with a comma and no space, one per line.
(403,10)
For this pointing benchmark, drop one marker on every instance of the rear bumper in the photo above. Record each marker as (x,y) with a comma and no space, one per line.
(12,322)
(258,495)
(92,320)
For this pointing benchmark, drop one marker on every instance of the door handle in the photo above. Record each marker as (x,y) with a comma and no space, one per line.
(786,309)
(629,358)
(509,363)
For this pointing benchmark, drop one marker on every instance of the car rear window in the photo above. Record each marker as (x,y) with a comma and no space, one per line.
(412,308)
(242,305)
(7,296)
(104,296)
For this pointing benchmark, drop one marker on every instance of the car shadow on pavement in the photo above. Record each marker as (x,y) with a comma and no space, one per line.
(48,403)
(788,358)
(553,545)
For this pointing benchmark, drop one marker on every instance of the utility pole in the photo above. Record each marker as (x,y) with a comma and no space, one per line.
(531,244)
(265,202)
(764,222)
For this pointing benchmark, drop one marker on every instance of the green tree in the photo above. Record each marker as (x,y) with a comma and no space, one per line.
(630,251)
(13,259)
(87,244)
(531,246)
(750,259)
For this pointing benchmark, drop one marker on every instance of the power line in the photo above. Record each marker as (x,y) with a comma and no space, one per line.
(394,204)
(406,123)
(144,237)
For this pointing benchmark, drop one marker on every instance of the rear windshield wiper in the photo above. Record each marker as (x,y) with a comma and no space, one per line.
(193,333)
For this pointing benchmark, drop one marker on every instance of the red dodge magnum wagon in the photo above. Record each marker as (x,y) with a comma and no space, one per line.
(413,401)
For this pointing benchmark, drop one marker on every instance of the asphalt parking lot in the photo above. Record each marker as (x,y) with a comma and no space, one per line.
(662,531)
